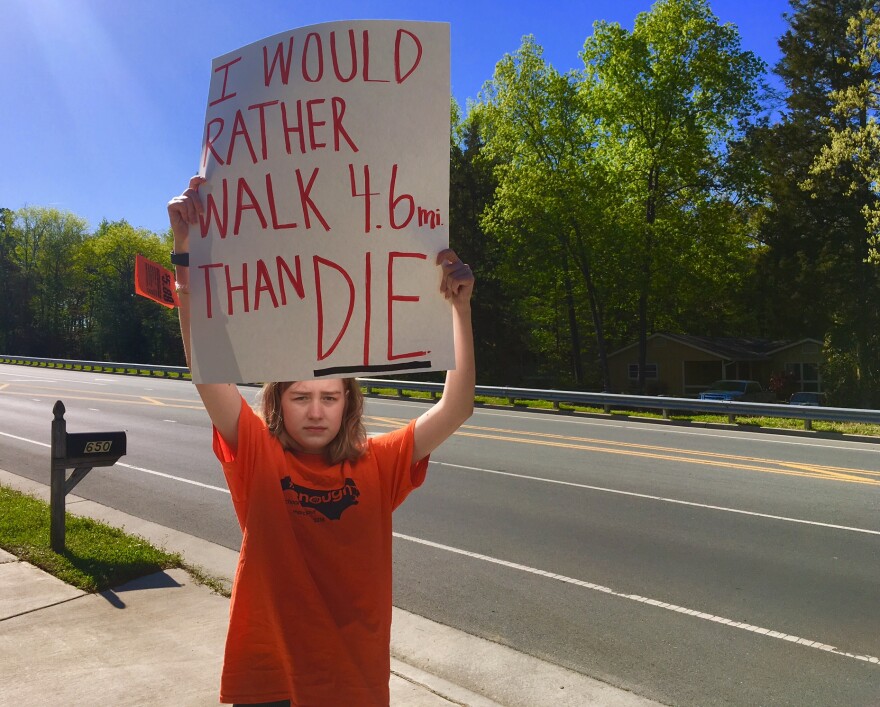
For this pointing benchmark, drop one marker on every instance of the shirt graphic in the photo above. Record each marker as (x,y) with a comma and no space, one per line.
(331,503)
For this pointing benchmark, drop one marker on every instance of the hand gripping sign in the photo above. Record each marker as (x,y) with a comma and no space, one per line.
(326,151)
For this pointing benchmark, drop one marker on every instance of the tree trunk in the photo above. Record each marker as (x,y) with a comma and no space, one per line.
(645,284)
(577,364)
(595,311)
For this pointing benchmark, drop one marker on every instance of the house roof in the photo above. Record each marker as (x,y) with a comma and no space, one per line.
(728,348)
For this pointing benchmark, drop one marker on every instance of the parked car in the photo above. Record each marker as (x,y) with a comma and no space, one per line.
(742,390)
(807,398)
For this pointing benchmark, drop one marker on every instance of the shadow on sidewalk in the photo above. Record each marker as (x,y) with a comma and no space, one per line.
(157,580)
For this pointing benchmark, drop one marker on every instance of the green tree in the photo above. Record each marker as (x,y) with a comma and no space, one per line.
(121,325)
(811,274)
(669,96)
(10,301)
(501,345)
(851,156)
(854,139)
(550,204)
(43,254)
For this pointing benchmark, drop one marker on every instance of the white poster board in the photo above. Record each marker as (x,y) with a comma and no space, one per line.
(326,151)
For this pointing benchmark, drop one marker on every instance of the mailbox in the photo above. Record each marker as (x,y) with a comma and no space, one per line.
(94,448)
(80,452)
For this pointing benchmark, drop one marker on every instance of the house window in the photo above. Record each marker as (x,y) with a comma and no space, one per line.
(651,372)
(806,375)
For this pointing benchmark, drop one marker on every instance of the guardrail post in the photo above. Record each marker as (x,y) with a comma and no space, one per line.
(808,424)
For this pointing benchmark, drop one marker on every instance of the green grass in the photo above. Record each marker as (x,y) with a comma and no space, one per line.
(96,556)
(393,393)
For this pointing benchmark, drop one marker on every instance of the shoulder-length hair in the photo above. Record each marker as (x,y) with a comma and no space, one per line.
(349,443)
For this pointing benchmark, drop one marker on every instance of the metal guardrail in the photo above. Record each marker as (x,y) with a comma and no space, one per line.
(619,401)
(606,401)
(100,366)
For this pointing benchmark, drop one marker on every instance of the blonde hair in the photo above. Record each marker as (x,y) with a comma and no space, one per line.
(349,442)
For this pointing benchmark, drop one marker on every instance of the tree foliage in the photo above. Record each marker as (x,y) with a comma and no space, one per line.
(647,190)
(668,97)
(68,293)
(853,149)
(548,206)
(502,350)
(44,282)
(121,324)
(811,275)
(618,174)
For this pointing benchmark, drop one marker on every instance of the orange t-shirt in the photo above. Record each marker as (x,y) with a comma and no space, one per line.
(310,617)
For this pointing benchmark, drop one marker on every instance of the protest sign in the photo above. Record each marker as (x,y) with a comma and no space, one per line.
(326,151)
(154,282)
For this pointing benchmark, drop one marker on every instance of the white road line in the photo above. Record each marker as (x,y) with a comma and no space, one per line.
(174,478)
(644,600)
(27,379)
(662,498)
(20,378)
(25,439)
(533,478)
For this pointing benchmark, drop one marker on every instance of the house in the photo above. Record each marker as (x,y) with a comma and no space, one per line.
(684,365)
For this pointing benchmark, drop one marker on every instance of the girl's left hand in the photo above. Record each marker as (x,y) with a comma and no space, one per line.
(457,283)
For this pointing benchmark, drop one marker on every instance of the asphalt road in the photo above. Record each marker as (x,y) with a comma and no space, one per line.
(692,566)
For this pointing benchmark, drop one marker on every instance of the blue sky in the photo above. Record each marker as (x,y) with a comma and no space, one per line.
(102,102)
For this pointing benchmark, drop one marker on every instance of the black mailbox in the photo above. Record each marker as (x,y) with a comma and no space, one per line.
(94,448)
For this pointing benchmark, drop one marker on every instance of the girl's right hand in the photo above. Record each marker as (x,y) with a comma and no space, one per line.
(184,210)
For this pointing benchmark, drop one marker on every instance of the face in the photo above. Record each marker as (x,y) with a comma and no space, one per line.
(312,412)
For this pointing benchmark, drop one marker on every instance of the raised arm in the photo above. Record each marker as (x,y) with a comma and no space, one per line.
(457,403)
(221,400)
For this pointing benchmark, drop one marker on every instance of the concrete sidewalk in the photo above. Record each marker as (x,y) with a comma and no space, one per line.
(159,640)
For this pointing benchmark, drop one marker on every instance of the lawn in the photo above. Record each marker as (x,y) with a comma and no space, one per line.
(96,556)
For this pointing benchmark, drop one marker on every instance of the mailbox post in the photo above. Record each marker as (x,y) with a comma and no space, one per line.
(80,452)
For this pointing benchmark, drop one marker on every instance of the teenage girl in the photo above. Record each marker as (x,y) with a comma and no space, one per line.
(310,617)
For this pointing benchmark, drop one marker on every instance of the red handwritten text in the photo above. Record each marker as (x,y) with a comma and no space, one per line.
(316,51)
(302,128)
(242,290)
(247,200)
